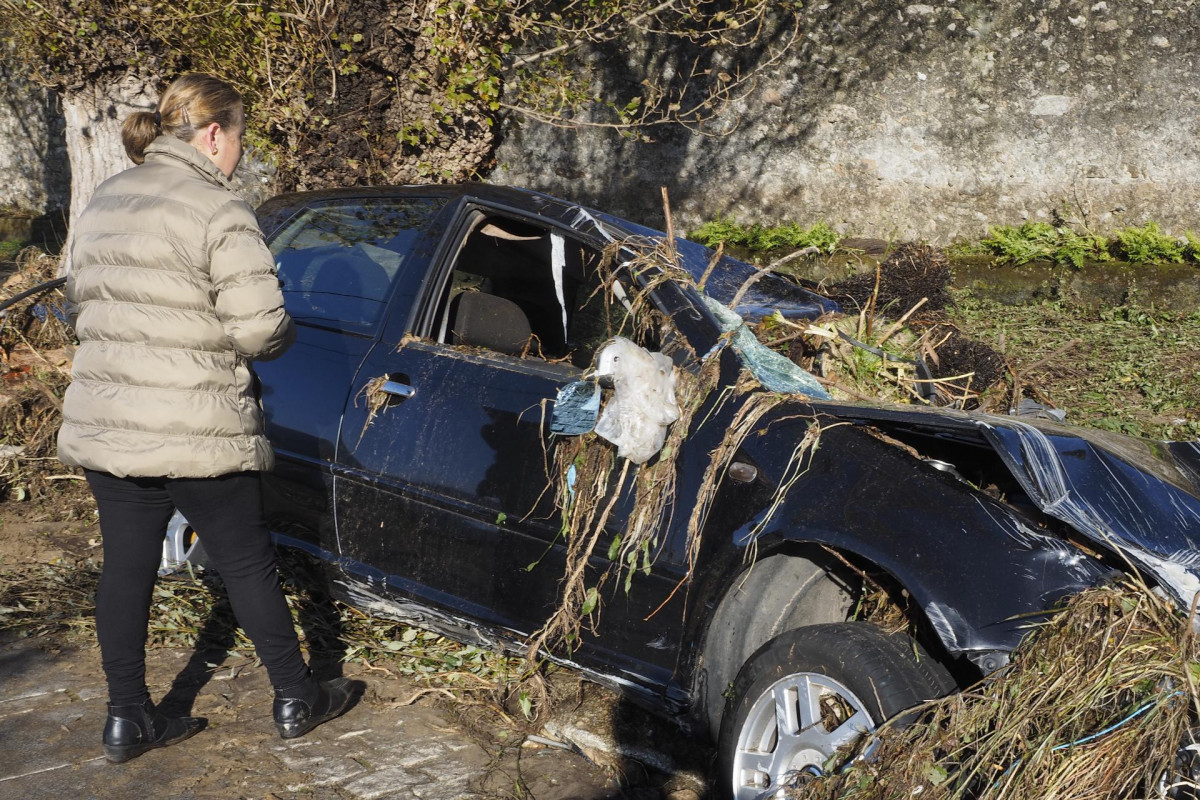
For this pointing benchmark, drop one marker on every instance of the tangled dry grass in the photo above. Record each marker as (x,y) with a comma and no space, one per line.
(1093,706)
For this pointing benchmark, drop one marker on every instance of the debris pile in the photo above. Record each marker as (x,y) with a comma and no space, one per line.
(912,272)
(191,612)
(917,356)
(35,358)
(1095,704)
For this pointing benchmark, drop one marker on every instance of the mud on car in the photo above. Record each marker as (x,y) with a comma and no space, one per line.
(437,327)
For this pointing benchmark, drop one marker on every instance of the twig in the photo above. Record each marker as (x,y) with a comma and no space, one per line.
(1043,361)
(745,287)
(898,324)
(421,693)
(712,264)
(841,388)
(804,251)
(671,254)
(869,311)
(935,380)
(562,48)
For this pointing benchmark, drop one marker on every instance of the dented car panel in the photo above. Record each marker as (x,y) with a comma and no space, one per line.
(413,450)
(1138,511)
(981,572)
(1132,498)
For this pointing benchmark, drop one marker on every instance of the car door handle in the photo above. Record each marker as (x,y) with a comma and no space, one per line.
(398,390)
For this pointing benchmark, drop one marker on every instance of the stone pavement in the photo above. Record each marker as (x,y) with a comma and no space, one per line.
(52,710)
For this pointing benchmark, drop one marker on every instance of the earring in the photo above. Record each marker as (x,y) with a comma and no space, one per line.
(214,151)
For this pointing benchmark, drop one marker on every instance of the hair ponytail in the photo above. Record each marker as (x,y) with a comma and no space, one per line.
(137,132)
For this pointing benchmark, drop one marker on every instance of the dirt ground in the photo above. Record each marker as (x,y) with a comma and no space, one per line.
(402,740)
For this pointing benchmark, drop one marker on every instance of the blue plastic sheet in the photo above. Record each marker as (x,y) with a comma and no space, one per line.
(775,372)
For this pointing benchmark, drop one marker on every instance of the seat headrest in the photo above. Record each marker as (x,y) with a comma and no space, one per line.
(485,320)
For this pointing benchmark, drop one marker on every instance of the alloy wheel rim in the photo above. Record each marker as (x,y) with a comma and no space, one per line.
(793,728)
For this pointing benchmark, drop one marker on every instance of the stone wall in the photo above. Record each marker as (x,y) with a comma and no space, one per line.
(930,120)
(897,120)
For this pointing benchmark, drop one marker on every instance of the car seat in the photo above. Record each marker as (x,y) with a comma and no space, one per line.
(485,320)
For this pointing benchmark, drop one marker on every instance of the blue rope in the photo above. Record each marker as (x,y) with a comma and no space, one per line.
(1091,737)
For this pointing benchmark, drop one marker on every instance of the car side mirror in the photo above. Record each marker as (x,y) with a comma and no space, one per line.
(576,409)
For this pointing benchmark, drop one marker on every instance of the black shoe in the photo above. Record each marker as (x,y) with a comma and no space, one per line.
(299,709)
(132,730)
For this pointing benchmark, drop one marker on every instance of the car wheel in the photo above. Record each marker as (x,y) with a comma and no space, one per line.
(810,691)
(181,547)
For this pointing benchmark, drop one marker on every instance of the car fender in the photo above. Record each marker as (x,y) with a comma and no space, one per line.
(980,572)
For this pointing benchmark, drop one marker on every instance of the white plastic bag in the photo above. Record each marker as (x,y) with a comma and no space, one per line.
(643,402)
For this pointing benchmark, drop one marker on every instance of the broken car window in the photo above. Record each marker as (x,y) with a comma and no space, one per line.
(527,291)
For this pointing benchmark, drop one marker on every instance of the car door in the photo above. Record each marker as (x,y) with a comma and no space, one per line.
(443,486)
(340,260)
(443,479)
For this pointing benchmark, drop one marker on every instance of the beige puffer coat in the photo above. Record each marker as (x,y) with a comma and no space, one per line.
(172,292)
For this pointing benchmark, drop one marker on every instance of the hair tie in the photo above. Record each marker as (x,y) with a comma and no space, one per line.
(157,118)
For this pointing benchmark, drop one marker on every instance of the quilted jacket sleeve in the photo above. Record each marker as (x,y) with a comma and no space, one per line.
(248,301)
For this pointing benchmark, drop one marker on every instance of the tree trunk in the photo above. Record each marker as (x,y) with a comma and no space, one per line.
(93,117)
(93,137)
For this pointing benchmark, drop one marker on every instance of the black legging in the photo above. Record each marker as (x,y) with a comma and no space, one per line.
(227,513)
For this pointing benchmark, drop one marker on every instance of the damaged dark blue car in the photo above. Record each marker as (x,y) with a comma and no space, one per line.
(436,326)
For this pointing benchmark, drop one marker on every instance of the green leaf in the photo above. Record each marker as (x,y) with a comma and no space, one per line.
(501,517)
(590,601)
(614,548)
(936,774)
(526,704)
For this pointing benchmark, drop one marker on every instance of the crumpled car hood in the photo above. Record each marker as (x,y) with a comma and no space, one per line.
(1131,495)
(1135,497)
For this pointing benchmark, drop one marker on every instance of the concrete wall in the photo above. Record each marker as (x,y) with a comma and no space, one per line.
(929,120)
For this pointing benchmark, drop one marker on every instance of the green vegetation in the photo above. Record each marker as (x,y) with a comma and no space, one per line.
(1041,241)
(1062,244)
(1148,245)
(1125,369)
(1009,244)
(9,249)
(401,91)
(760,238)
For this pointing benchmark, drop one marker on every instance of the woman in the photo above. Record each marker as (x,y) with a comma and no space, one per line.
(172,293)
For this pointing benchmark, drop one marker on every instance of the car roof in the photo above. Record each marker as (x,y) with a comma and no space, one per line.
(772,294)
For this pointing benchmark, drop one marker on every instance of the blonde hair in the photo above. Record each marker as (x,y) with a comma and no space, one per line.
(190,104)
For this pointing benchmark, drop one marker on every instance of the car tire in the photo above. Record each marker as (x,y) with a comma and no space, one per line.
(827,684)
